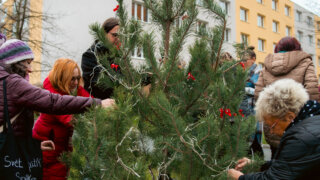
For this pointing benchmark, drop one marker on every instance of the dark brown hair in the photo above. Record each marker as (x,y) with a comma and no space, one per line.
(288,44)
(110,24)
(250,52)
(16,68)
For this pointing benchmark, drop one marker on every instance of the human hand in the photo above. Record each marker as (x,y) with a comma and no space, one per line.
(47,145)
(234,174)
(108,103)
(241,163)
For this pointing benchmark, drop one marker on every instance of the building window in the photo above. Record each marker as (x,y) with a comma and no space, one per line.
(260,1)
(243,15)
(319,61)
(318,43)
(288,31)
(201,26)
(227,35)
(274,4)
(140,12)
(300,36)
(318,25)
(261,43)
(225,5)
(310,21)
(298,16)
(275,26)
(260,20)
(287,10)
(244,38)
(138,53)
(310,39)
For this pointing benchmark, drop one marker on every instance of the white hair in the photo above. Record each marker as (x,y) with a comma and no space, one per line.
(281,97)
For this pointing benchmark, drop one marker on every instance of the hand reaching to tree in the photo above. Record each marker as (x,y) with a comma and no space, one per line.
(47,145)
(234,174)
(108,103)
(241,163)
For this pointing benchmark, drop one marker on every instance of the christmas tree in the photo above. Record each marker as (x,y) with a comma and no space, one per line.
(189,126)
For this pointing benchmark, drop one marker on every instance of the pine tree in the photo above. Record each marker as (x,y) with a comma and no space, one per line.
(189,126)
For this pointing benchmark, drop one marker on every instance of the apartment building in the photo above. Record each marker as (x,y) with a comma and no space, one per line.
(305,30)
(262,23)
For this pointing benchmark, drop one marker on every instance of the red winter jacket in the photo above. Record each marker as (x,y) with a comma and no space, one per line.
(58,129)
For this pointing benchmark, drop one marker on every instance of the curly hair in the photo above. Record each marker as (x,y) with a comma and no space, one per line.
(281,97)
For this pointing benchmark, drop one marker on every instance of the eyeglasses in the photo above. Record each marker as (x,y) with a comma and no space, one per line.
(114,34)
(76,78)
(271,128)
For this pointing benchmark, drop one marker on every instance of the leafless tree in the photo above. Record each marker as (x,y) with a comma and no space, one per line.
(21,20)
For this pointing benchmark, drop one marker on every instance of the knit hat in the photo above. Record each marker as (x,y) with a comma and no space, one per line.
(109,24)
(14,50)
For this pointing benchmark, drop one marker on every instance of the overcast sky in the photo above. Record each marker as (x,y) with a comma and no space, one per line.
(311,5)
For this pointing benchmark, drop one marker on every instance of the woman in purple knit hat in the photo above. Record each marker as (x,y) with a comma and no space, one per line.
(24,98)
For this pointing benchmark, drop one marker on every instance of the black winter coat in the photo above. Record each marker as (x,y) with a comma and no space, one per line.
(298,156)
(91,72)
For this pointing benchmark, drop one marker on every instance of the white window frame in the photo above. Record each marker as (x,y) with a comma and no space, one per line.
(260,20)
(261,45)
(288,31)
(298,16)
(300,36)
(274,5)
(244,38)
(244,17)
(287,10)
(310,20)
(135,53)
(225,5)
(310,37)
(227,35)
(142,12)
(200,23)
(275,26)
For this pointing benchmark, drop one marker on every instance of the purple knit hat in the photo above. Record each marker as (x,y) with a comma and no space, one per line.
(14,50)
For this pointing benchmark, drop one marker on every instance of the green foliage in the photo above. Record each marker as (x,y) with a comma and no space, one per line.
(177,130)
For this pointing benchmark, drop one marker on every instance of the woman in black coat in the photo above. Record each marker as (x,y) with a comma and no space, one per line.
(293,123)
(89,63)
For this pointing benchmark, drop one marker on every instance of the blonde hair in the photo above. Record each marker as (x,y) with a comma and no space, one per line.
(61,74)
(281,97)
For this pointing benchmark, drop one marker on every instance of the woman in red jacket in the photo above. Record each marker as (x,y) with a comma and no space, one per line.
(64,79)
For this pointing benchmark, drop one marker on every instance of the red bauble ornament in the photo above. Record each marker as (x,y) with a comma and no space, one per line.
(114,66)
(190,76)
(116,9)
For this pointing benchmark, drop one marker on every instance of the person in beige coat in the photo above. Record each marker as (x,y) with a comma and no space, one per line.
(288,61)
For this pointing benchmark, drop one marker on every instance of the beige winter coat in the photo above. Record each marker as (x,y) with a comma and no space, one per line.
(296,65)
